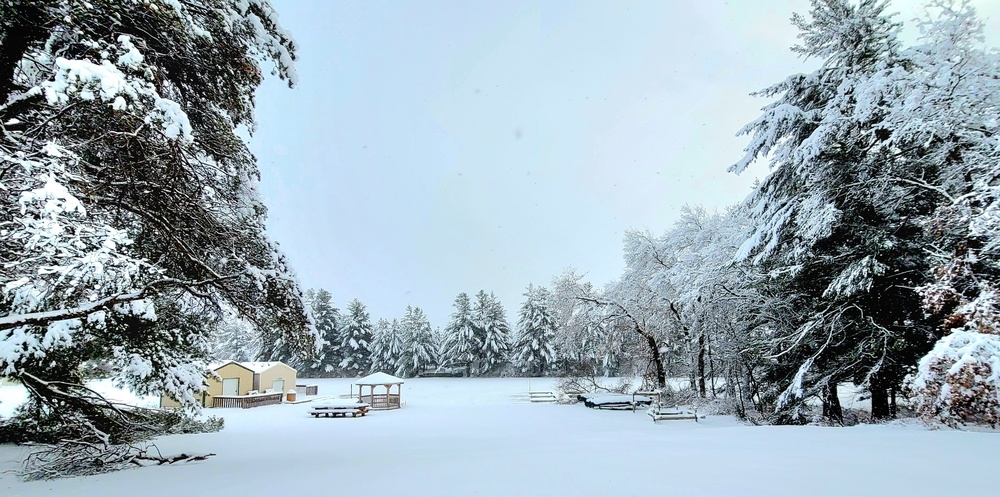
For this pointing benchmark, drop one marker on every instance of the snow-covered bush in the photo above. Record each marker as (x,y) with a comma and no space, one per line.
(958,382)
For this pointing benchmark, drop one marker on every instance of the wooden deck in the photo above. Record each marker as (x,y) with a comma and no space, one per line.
(246,401)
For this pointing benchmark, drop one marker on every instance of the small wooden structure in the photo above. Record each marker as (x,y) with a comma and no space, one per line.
(387,400)
(307,389)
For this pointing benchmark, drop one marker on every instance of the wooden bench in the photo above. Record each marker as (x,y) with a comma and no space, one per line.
(355,409)
(668,413)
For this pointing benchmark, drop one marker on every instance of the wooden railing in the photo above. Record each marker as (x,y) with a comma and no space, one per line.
(381,401)
(247,401)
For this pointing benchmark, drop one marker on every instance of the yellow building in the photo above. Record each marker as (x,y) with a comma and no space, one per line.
(274,376)
(235,379)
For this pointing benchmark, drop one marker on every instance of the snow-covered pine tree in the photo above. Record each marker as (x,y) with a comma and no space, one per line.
(838,219)
(355,339)
(532,351)
(380,338)
(491,327)
(438,338)
(479,309)
(236,340)
(129,209)
(461,344)
(328,321)
(418,351)
(387,346)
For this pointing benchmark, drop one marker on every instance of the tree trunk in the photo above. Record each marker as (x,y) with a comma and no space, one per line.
(711,368)
(654,350)
(880,398)
(21,28)
(832,409)
(701,366)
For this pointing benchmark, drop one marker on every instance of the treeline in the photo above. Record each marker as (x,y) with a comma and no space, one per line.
(477,341)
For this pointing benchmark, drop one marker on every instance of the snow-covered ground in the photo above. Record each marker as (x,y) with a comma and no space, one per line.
(464,437)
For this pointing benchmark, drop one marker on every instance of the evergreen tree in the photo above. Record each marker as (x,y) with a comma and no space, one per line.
(328,321)
(492,330)
(439,339)
(839,219)
(418,351)
(235,340)
(129,203)
(532,351)
(380,337)
(128,185)
(388,343)
(461,345)
(356,338)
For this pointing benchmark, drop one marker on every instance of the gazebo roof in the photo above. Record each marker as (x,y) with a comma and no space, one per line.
(379,378)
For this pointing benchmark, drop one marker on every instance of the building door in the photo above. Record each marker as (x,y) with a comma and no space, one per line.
(230,386)
(278,386)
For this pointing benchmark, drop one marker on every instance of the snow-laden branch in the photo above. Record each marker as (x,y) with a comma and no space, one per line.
(102,304)
(928,186)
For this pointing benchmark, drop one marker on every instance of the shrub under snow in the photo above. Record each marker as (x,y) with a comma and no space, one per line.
(958,381)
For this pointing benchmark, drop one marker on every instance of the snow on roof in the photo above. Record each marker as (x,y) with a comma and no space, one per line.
(260,367)
(379,378)
(218,364)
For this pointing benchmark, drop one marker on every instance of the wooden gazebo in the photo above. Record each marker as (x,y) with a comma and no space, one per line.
(387,400)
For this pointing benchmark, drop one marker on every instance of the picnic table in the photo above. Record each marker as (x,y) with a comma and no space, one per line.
(616,401)
(333,409)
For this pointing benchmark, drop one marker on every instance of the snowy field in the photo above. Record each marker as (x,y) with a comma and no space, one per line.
(473,437)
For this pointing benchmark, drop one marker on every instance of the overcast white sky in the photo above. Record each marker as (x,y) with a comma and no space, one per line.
(438,147)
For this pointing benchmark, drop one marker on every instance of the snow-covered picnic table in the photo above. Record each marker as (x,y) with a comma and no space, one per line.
(614,400)
(335,408)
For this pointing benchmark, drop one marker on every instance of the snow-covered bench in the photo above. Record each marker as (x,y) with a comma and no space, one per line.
(333,412)
(667,413)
